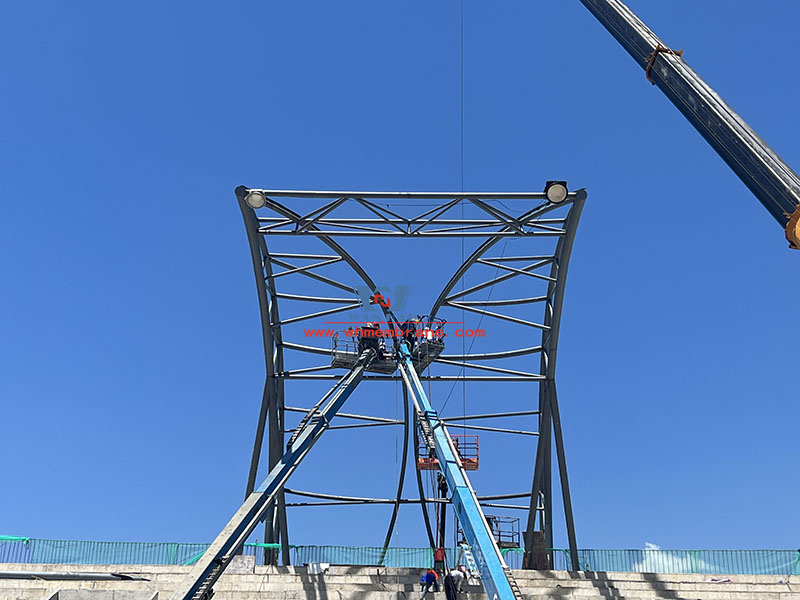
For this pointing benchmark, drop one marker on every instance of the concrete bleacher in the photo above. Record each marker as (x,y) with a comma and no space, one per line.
(248,582)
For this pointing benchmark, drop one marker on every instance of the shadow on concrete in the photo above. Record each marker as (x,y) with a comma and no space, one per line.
(606,587)
(316,585)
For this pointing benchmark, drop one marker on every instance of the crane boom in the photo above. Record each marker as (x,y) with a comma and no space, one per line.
(496,577)
(197,585)
(770,179)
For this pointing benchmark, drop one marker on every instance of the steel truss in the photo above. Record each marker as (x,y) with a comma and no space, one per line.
(331,217)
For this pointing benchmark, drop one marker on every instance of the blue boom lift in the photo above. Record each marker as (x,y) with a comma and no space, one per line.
(496,577)
(197,585)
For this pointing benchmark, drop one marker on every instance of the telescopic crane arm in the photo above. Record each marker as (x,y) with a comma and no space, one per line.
(197,585)
(770,179)
(496,577)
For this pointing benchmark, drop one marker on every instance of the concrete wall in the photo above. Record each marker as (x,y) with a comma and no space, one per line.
(373,583)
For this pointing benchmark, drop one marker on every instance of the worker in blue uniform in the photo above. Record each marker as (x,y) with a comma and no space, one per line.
(429,582)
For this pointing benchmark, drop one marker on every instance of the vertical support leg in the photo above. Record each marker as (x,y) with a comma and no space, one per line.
(257,447)
(562,468)
(272,528)
(547,480)
(538,471)
(279,403)
(258,444)
(284,530)
(271,413)
(542,480)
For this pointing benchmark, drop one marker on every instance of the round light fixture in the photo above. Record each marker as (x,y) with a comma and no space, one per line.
(255,199)
(556,191)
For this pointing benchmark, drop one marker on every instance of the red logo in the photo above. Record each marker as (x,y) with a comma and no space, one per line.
(380,299)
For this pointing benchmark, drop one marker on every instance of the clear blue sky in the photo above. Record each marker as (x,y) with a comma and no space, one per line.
(130,346)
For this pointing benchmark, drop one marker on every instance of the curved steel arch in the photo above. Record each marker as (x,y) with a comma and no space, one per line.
(273,398)
(487,245)
(549,421)
(324,225)
(273,388)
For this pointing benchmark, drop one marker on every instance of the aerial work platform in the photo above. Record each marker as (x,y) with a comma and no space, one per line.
(344,353)
(496,577)
(425,353)
(427,344)
(466,447)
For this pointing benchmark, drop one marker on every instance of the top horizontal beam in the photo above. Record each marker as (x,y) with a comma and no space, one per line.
(412,195)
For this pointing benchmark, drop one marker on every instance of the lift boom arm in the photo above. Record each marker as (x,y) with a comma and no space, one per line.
(495,575)
(770,179)
(198,583)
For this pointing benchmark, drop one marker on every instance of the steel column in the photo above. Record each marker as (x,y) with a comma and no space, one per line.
(562,470)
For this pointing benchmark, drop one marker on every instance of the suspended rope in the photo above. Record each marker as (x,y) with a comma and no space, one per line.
(463,341)
(461,57)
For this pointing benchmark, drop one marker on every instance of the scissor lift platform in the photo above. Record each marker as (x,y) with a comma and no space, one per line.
(466,446)
(506,530)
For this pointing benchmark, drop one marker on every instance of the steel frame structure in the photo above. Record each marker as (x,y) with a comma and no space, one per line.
(331,217)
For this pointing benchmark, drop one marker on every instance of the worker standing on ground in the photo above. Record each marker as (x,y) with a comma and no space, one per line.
(429,582)
(453,582)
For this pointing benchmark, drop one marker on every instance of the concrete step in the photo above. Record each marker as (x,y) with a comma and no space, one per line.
(29,593)
(103,595)
(373,583)
(660,586)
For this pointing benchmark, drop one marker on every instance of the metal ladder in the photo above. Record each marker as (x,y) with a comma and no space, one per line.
(513,583)
(427,434)
(470,560)
(205,591)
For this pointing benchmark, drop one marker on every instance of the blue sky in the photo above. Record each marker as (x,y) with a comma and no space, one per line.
(130,344)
